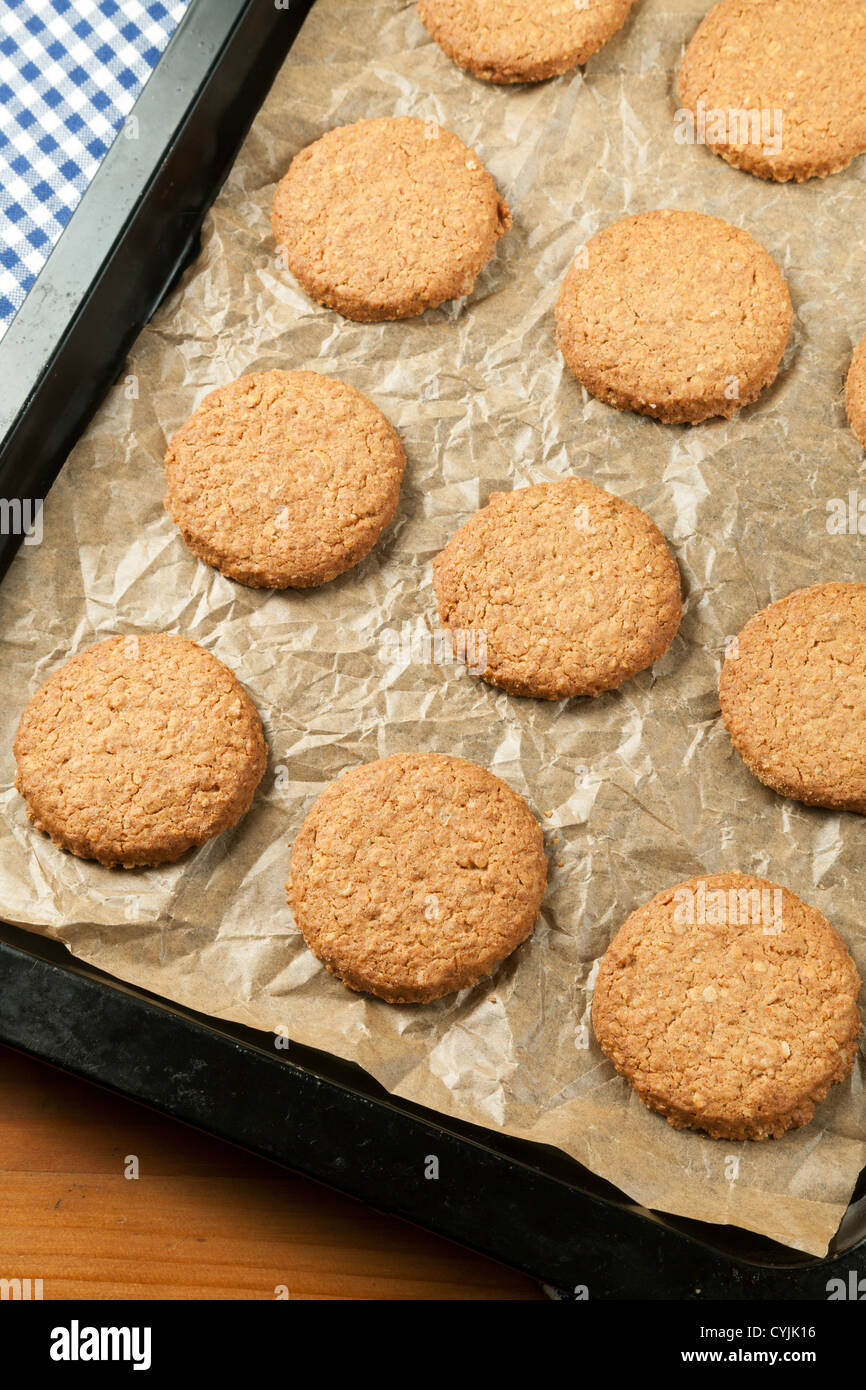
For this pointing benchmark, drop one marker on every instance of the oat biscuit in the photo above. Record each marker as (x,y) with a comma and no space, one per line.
(793,696)
(729,1005)
(414,876)
(855,392)
(137,749)
(388,217)
(521,40)
(675,315)
(780,85)
(284,479)
(570,589)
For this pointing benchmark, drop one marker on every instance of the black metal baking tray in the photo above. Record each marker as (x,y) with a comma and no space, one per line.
(525,1204)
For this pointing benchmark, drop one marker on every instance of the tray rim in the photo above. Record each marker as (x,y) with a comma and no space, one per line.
(82,993)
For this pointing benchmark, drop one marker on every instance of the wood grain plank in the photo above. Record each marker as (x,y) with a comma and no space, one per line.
(202,1220)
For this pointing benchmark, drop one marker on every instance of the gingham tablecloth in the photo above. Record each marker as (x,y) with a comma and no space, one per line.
(70,71)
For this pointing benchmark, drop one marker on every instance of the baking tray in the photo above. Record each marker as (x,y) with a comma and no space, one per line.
(527,1205)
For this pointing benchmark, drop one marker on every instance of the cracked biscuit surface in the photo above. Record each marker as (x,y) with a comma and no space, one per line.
(674,314)
(729,1005)
(137,749)
(284,479)
(415,875)
(752,59)
(571,589)
(521,40)
(855,392)
(793,696)
(387,217)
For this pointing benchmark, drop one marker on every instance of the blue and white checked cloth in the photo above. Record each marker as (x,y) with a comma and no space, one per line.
(70,71)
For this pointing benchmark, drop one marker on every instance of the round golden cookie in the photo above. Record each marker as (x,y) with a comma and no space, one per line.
(793,696)
(284,479)
(779,86)
(729,1005)
(137,749)
(855,392)
(566,589)
(414,876)
(388,217)
(521,40)
(675,315)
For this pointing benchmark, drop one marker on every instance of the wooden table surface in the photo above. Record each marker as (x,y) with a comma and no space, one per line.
(201,1221)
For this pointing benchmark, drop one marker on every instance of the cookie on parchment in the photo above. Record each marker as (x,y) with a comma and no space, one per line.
(387,217)
(674,314)
(521,40)
(567,589)
(729,1005)
(780,85)
(284,479)
(855,392)
(414,876)
(137,749)
(793,696)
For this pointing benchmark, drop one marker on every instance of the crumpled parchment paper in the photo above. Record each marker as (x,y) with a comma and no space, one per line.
(638,789)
